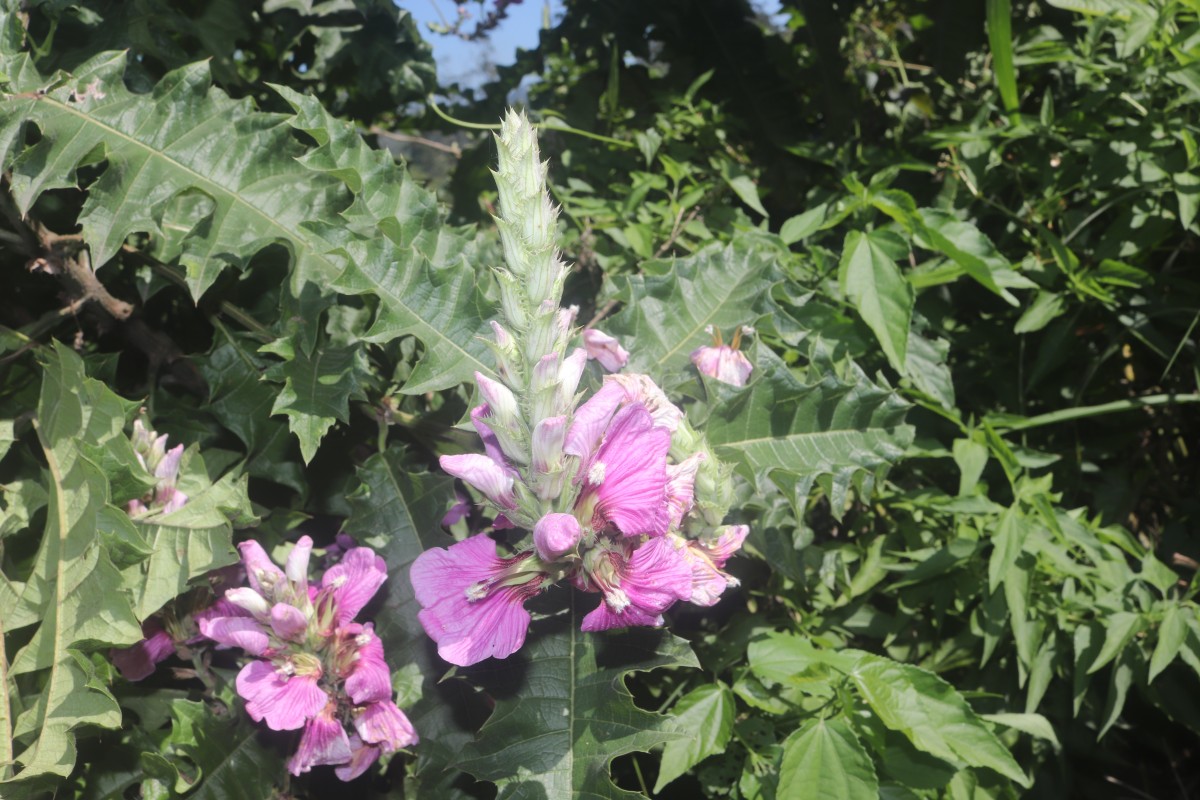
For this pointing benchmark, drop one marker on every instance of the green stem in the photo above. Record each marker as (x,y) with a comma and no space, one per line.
(1082,412)
(479,126)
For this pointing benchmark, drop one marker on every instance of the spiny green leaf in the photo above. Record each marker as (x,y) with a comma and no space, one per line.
(828,761)
(183,137)
(668,309)
(74,595)
(705,718)
(878,290)
(571,713)
(419,268)
(316,391)
(932,714)
(835,422)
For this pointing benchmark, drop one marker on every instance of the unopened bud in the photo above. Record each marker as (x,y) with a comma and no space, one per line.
(555,535)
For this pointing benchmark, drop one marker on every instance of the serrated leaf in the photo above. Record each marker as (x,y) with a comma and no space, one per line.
(879,291)
(227,752)
(705,718)
(825,759)
(668,309)
(933,715)
(316,392)
(74,594)
(183,137)
(571,713)
(420,269)
(835,422)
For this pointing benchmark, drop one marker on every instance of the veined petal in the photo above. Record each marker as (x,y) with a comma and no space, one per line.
(384,724)
(369,680)
(288,622)
(284,702)
(243,632)
(355,579)
(653,578)
(138,662)
(605,349)
(324,742)
(628,474)
(362,756)
(484,474)
(681,481)
(590,421)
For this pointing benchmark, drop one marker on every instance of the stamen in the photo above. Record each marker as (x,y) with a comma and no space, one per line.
(363,639)
(617,600)
(596,473)
(477,591)
(339,581)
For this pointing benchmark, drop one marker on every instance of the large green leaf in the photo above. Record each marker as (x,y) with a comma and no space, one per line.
(397,247)
(566,712)
(184,137)
(833,421)
(74,595)
(932,714)
(705,718)
(669,308)
(825,759)
(316,392)
(884,299)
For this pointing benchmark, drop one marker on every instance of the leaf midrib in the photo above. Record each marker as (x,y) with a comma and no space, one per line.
(205,182)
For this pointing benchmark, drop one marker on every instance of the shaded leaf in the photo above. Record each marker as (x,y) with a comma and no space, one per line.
(705,718)
(825,759)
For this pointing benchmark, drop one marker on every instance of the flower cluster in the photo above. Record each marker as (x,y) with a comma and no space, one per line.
(152,453)
(315,667)
(622,498)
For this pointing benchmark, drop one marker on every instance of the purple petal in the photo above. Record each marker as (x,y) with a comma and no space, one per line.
(296,568)
(655,576)
(469,630)
(370,680)
(590,421)
(242,632)
(484,474)
(137,662)
(260,569)
(324,742)
(629,474)
(642,389)
(246,599)
(723,363)
(356,578)
(168,468)
(385,725)
(285,703)
(362,756)
(288,622)
(681,481)
(605,349)
(491,445)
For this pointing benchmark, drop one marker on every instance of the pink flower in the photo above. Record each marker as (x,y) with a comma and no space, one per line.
(707,558)
(605,349)
(138,662)
(324,742)
(261,571)
(385,725)
(723,363)
(625,481)
(460,509)
(637,585)
(284,701)
(592,418)
(472,601)
(555,535)
(244,632)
